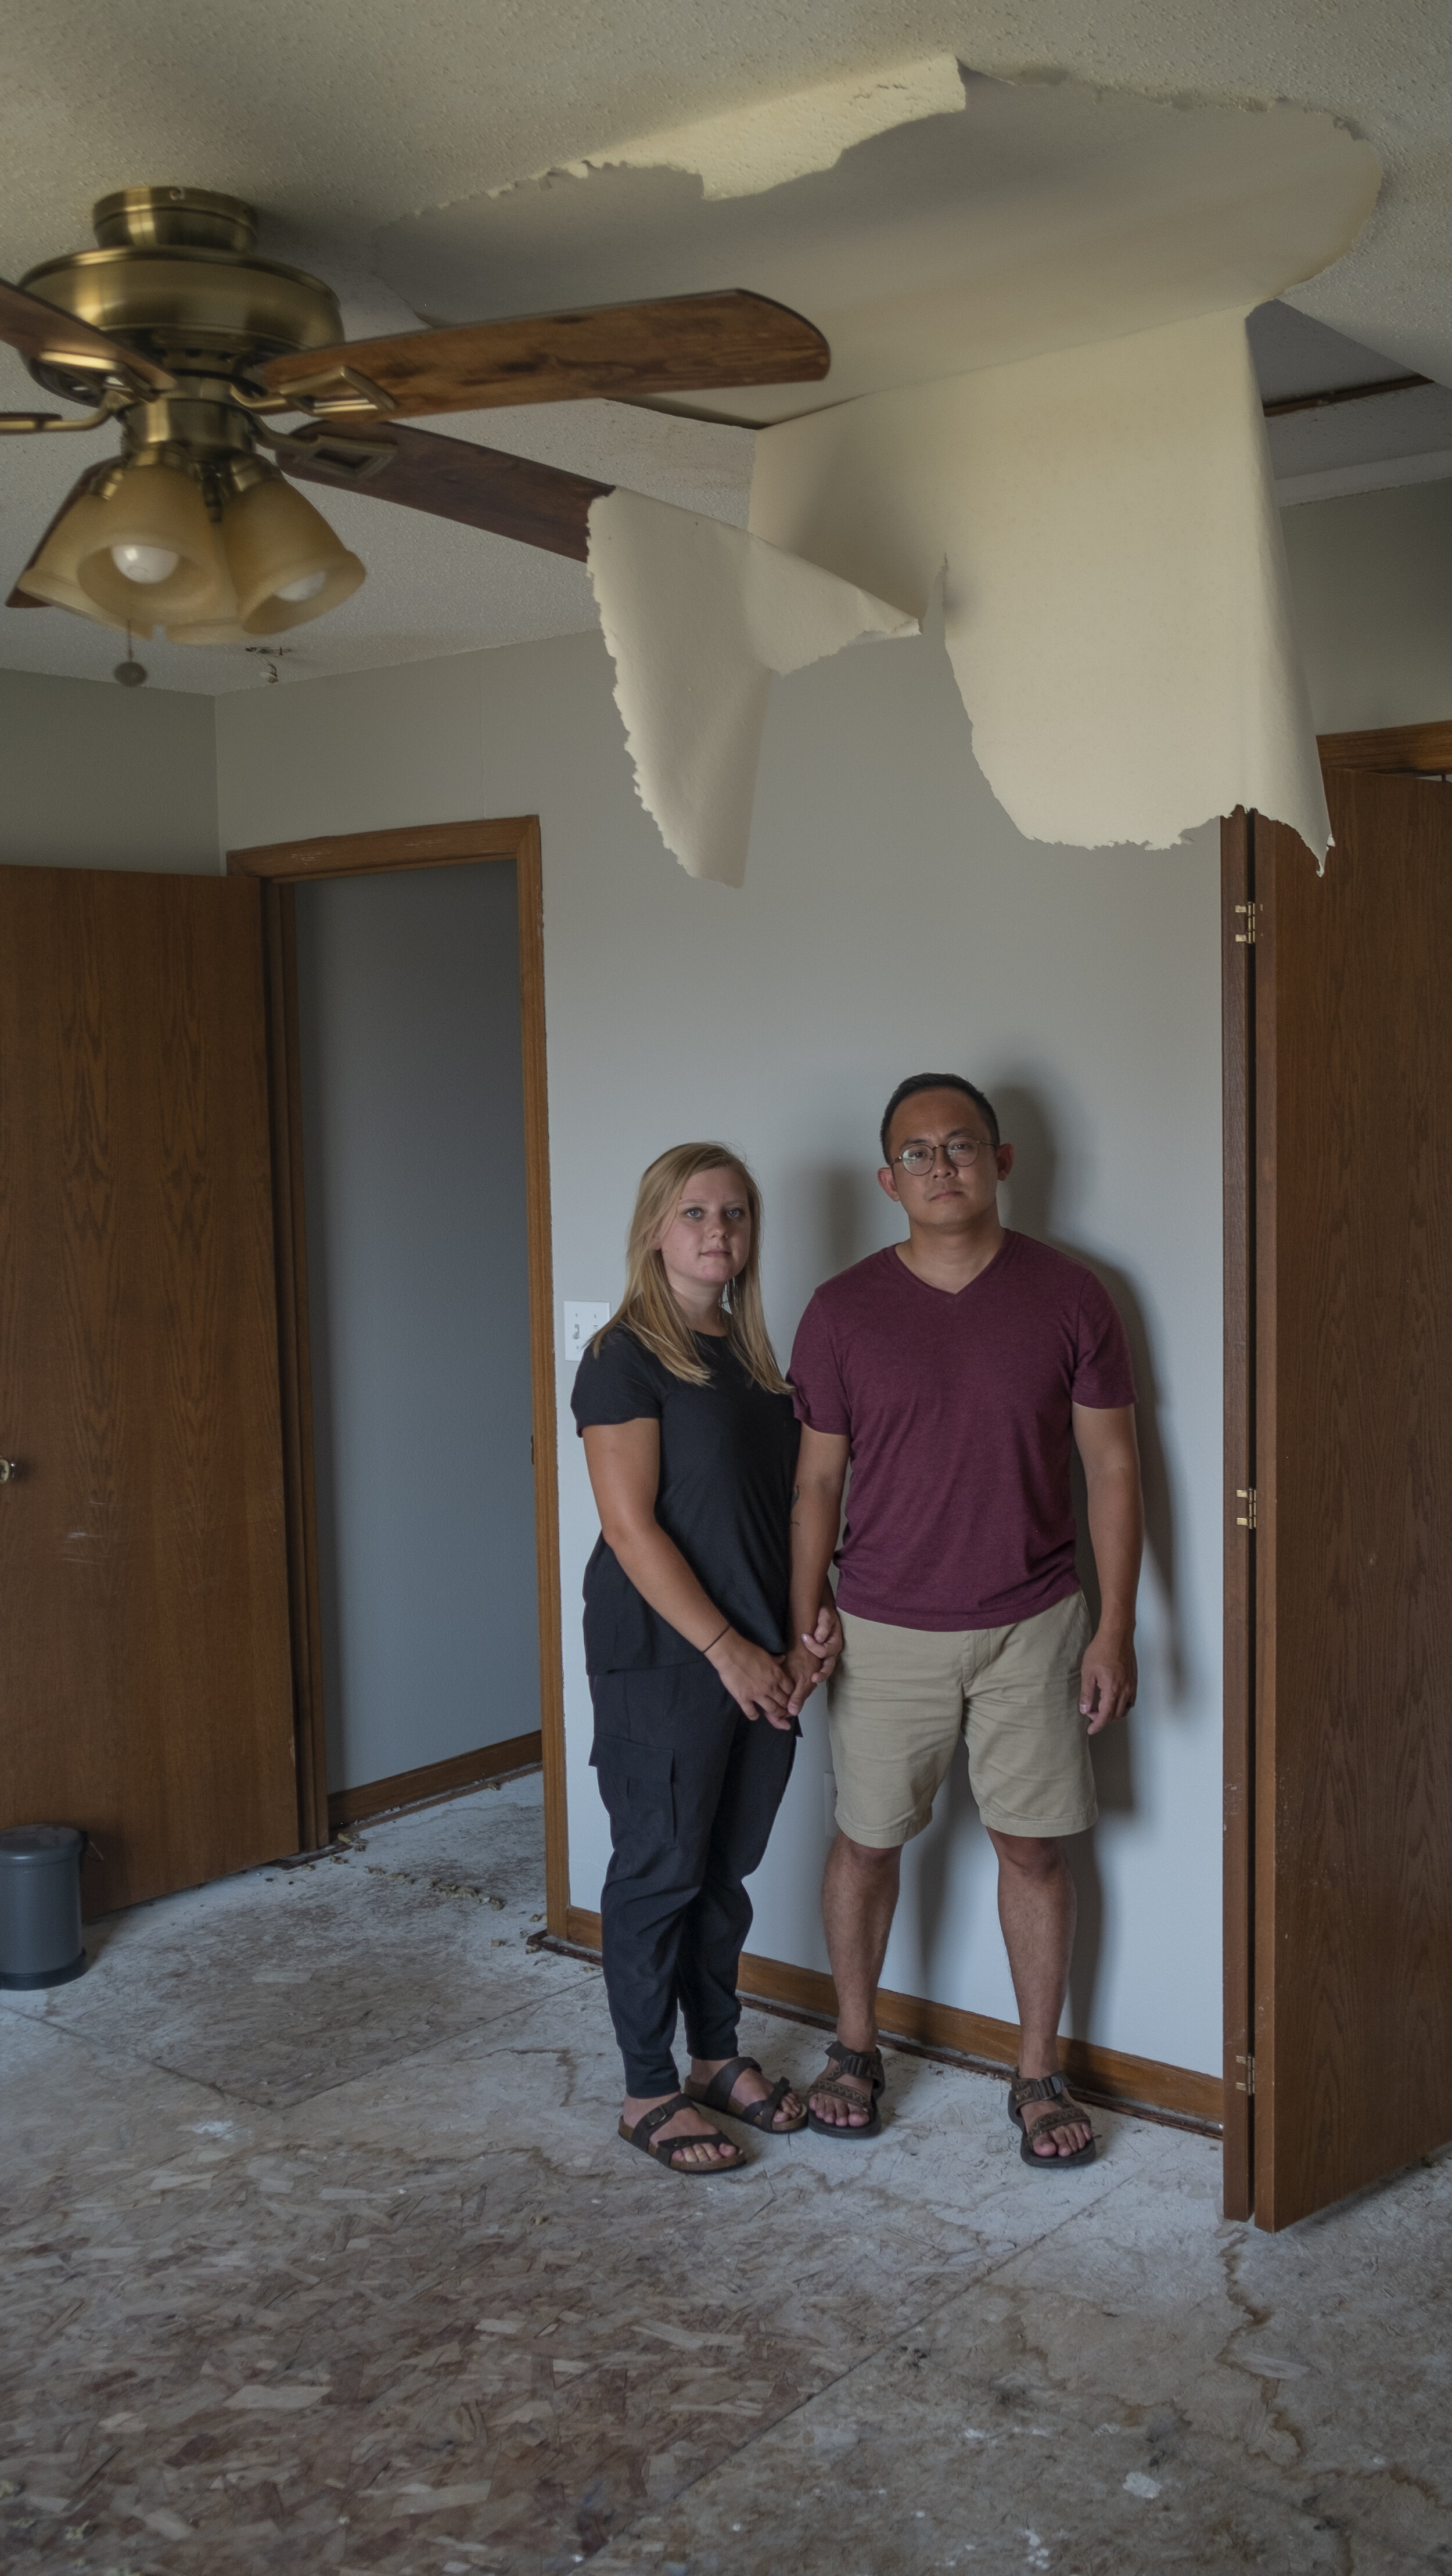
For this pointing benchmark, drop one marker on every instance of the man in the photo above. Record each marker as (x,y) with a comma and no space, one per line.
(953,1372)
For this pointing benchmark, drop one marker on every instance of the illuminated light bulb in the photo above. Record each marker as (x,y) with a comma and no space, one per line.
(307,587)
(150,544)
(146,564)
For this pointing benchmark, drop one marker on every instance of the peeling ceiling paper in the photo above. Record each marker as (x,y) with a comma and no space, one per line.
(697,616)
(760,146)
(1116,602)
(1030,217)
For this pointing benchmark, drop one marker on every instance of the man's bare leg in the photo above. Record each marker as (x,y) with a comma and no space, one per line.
(1037,1907)
(859,1900)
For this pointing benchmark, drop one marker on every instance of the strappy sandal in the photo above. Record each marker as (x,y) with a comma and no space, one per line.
(716,2096)
(1049,2088)
(663,2151)
(867,2067)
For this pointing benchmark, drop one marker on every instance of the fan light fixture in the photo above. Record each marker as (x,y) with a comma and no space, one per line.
(214,559)
(148,550)
(286,564)
(143,550)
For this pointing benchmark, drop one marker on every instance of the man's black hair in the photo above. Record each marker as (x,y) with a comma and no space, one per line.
(939,1082)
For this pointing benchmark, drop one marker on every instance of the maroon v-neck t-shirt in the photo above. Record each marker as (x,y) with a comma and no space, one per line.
(958,1409)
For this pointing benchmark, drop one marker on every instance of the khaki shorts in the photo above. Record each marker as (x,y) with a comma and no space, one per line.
(902,1696)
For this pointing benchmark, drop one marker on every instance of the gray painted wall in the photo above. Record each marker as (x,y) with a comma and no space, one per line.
(418,1287)
(93,776)
(1371,576)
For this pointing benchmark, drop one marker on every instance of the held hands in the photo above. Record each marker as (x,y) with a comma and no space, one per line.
(1108,1680)
(813,1658)
(756,1680)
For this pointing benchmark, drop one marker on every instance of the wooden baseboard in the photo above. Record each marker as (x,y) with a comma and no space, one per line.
(1105,2074)
(432,1780)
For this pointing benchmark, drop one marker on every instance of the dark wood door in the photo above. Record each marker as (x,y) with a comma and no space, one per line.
(1351,1115)
(145,1683)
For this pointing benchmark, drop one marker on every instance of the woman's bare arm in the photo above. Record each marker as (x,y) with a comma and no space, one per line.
(624,1463)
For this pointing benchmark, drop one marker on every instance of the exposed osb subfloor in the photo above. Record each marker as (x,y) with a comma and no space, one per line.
(321,2254)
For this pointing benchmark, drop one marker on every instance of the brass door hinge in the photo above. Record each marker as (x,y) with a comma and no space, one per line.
(1246,938)
(1245,1494)
(1247,2086)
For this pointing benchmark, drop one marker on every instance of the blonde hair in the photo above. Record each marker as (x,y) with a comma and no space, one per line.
(649,1310)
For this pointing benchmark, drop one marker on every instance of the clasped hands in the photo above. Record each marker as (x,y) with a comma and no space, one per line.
(776,1687)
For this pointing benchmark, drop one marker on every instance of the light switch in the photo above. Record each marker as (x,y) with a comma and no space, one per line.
(581,1323)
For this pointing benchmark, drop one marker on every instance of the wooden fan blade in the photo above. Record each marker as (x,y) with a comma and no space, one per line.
(509,496)
(39,332)
(678,344)
(22,598)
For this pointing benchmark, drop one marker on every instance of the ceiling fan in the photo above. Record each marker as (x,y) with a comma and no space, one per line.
(176,330)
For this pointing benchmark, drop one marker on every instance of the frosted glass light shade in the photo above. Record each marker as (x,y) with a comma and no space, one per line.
(153,506)
(276,542)
(52,576)
(219,622)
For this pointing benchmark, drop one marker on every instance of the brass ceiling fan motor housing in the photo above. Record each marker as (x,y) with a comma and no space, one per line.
(174,276)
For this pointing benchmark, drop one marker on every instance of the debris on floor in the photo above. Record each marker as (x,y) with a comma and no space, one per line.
(321,2254)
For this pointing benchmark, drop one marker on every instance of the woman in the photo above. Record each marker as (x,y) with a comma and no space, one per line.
(691,1443)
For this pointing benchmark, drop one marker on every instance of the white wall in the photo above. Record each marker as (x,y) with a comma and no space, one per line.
(892,917)
(96,776)
(1372,578)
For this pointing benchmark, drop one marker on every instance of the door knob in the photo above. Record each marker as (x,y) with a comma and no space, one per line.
(8,1467)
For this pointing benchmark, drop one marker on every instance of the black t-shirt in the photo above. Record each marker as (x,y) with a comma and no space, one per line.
(728,1455)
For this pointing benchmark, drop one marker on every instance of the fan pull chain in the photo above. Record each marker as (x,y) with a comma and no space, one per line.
(131,673)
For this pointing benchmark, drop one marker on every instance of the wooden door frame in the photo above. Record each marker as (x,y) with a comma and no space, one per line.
(1247,1079)
(282,865)
(1238,1069)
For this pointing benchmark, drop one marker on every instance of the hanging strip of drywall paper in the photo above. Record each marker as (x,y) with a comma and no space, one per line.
(1116,601)
(697,616)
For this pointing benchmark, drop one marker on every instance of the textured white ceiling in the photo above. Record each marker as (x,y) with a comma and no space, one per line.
(343,119)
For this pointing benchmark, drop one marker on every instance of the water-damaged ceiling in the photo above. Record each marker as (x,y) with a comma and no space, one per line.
(400,154)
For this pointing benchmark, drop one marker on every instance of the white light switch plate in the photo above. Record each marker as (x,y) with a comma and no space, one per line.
(581,1322)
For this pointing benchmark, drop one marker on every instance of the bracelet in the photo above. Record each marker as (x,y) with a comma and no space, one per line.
(716,1640)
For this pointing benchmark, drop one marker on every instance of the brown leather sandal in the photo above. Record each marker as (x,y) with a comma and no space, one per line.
(663,2151)
(867,2067)
(716,2096)
(1049,2088)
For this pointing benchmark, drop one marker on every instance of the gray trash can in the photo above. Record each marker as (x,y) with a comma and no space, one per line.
(40,1906)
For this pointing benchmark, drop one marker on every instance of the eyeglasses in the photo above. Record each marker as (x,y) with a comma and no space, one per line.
(962,1153)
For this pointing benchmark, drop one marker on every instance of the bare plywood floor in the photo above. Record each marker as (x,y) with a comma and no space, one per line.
(320,2253)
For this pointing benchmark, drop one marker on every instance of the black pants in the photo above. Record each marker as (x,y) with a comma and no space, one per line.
(691,1788)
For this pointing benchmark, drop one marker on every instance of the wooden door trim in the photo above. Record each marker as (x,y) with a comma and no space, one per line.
(356,854)
(1424,749)
(1264,1319)
(279,936)
(1237,989)
(431,845)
